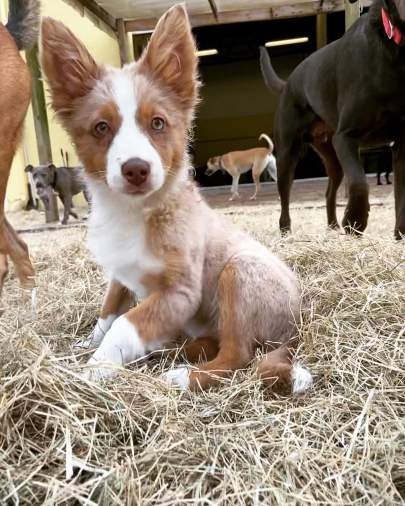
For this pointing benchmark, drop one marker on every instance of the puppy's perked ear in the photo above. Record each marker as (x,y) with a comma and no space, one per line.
(29,168)
(69,68)
(170,56)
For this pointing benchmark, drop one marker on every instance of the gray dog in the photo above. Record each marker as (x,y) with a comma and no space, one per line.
(66,181)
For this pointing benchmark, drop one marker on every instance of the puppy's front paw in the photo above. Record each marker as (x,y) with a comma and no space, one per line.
(99,374)
(121,345)
(97,334)
(179,377)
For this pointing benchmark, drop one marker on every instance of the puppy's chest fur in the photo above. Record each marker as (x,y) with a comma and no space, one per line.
(117,239)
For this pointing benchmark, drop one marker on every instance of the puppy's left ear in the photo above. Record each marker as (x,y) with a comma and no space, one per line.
(28,168)
(170,56)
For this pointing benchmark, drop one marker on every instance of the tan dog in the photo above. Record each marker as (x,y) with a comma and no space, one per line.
(237,163)
(150,229)
(20,32)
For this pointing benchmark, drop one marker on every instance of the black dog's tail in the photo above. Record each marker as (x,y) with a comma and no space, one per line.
(23,22)
(271,79)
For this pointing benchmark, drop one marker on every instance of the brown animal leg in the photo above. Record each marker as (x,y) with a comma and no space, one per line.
(15,94)
(335,174)
(399,187)
(256,173)
(275,370)
(235,348)
(201,349)
(18,252)
(3,270)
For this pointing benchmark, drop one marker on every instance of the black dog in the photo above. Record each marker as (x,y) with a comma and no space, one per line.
(346,95)
(66,181)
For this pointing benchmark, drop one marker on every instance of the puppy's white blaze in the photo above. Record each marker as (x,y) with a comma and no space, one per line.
(302,379)
(130,141)
(121,345)
(179,377)
(97,334)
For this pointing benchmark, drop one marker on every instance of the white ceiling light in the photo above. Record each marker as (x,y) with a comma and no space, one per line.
(286,42)
(206,52)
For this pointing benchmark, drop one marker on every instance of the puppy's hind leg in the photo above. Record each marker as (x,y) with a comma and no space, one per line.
(281,375)
(235,344)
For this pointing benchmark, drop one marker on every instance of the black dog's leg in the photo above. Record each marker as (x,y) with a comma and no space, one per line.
(74,214)
(379,178)
(356,214)
(335,175)
(292,120)
(286,163)
(387,177)
(399,187)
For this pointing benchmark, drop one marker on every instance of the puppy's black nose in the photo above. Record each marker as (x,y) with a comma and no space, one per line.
(136,171)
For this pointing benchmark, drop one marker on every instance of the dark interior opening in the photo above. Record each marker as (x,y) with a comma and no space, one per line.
(236,106)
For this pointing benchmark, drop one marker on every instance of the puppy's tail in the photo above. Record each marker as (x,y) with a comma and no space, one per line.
(23,22)
(268,140)
(271,79)
(281,374)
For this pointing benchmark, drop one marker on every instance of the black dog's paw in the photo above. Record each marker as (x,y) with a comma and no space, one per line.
(334,225)
(354,226)
(356,214)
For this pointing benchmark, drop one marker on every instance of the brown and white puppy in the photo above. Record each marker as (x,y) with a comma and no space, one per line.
(151,230)
(237,163)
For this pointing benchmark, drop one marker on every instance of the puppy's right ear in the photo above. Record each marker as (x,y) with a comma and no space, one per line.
(69,68)
(29,168)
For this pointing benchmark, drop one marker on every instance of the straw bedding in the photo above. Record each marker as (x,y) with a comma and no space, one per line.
(135,441)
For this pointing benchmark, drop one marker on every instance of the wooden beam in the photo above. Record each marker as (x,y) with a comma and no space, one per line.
(99,12)
(41,127)
(308,8)
(321,30)
(352,13)
(214,8)
(39,108)
(123,42)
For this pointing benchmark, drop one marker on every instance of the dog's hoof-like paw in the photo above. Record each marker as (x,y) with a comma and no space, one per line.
(177,377)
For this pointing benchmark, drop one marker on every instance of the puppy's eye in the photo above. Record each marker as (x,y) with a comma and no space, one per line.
(101,128)
(158,123)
